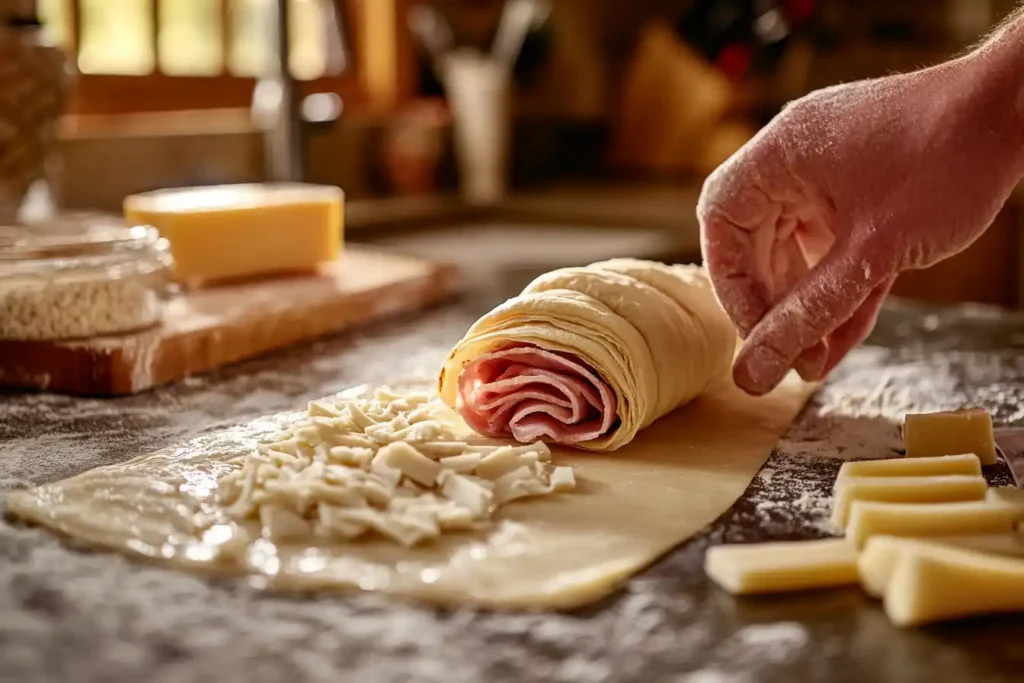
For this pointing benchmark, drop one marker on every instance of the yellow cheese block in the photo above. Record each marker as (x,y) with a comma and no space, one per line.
(966,463)
(226,232)
(783,566)
(942,489)
(936,583)
(914,520)
(1006,494)
(880,555)
(950,433)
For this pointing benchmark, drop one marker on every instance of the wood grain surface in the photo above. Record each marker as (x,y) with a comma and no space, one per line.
(208,328)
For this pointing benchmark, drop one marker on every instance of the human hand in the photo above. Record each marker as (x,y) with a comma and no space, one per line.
(805,229)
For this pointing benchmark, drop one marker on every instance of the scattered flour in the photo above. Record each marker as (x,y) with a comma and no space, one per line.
(792,492)
(858,414)
(92,617)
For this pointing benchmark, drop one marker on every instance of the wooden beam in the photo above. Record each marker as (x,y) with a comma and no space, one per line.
(154,34)
(75,30)
(227,34)
(378,63)
(109,94)
(407,72)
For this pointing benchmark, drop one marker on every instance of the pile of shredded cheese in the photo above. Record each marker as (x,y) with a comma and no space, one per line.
(400,465)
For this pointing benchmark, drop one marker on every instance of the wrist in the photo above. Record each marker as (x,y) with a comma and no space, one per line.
(993,75)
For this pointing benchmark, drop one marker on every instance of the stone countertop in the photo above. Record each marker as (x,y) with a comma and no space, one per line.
(72,615)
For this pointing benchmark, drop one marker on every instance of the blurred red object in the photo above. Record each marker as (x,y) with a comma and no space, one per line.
(414,147)
(800,10)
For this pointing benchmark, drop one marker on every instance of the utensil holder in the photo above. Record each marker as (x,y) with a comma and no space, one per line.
(479,89)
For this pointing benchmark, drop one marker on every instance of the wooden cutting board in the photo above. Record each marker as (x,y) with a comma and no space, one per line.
(208,328)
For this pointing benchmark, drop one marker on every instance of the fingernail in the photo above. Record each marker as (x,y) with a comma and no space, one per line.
(759,369)
(811,363)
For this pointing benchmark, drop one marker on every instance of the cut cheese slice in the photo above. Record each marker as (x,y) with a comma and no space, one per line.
(950,433)
(935,583)
(942,489)
(563,479)
(781,567)
(966,463)
(870,518)
(1006,494)
(498,463)
(880,555)
(235,231)
(410,462)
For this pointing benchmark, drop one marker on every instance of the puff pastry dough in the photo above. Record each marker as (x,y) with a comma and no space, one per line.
(650,334)
(541,553)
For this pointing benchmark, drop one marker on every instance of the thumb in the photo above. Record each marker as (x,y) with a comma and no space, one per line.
(829,295)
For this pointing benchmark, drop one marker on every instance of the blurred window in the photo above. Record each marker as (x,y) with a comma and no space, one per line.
(161,55)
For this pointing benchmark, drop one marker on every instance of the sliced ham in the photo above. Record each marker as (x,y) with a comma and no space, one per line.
(535,394)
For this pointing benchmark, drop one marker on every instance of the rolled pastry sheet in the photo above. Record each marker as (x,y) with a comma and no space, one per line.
(590,356)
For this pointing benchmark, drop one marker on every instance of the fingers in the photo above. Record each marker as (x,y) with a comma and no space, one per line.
(729,256)
(736,252)
(819,360)
(857,328)
(815,307)
(811,363)
(793,266)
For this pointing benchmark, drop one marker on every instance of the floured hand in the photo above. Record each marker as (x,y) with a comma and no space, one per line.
(805,229)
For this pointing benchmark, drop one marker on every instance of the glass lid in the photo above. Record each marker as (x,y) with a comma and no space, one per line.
(75,236)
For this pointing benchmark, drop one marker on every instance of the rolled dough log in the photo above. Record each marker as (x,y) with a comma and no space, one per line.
(629,508)
(941,489)
(966,463)
(653,334)
(779,567)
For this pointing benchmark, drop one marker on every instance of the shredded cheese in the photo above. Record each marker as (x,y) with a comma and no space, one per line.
(397,465)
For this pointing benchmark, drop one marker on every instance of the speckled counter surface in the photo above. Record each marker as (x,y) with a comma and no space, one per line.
(67,615)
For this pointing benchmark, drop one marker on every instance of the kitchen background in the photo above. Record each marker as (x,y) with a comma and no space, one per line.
(619,110)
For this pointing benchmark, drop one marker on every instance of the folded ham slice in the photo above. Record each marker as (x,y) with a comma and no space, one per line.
(551,363)
(534,394)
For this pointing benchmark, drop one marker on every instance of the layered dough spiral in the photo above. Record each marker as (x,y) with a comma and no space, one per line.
(589,356)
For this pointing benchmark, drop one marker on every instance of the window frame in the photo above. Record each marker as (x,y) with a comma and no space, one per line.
(382,77)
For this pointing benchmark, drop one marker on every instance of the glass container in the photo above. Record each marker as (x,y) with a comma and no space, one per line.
(79,278)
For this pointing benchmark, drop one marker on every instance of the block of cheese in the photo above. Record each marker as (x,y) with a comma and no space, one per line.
(1005,494)
(966,463)
(781,567)
(227,232)
(913,520)
(878,559)
(941,489)
(950,433)
(932,582)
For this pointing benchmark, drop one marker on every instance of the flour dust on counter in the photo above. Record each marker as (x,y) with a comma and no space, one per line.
(373,494)
(96,616)
(923,531)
